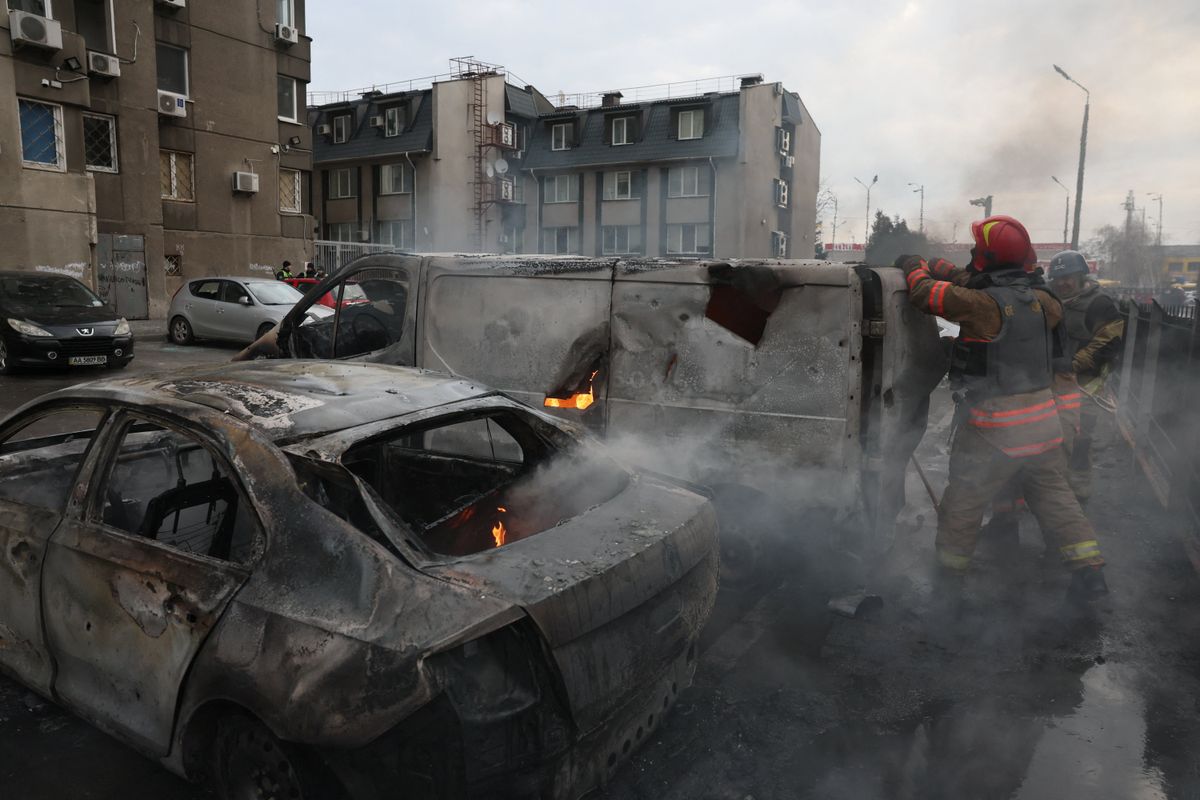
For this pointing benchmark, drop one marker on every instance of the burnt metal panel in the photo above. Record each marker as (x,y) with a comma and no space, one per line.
(24,533)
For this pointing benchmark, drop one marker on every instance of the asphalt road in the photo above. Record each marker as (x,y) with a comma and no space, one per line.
(1018,696)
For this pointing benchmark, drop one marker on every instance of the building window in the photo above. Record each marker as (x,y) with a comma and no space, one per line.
(176,173)
(41,135)
(1193,266)
(561,188)
(287,99)
(392,123)
(100,142)
(172,68)
(622,130)
(688,182)
(341,184)
(341,128)
(559,136)
(395,179)
(621,239)
(341,231)
(689,239)
(290,183)
(286,13)
(91,22)
(781,193)
(784,141)
(39,7)
(397,233)
(618,186)
(779,243)
(560,241)
(691,124)
(173,264)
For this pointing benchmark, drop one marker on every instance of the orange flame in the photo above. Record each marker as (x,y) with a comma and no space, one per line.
(499,533)
(579,400)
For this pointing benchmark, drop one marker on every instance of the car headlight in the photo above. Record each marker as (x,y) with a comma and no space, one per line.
(28,328)
(122,327)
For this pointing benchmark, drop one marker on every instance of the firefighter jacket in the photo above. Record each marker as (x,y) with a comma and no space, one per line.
(1094,328)
(1002,360)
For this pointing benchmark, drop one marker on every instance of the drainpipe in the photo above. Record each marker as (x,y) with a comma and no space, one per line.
(413,167)
(537,196)
(712,239)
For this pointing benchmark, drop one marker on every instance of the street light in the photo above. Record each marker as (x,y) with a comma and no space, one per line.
(833,243)
(985,203)
(1087,104)
(921,190)
(1157,196)
(1066,207)
(867,224)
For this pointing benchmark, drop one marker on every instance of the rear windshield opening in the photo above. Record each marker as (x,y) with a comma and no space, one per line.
(476,484)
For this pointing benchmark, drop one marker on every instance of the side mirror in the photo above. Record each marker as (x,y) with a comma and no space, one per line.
(246,301)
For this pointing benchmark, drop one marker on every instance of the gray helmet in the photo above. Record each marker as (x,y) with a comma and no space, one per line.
(1068,262)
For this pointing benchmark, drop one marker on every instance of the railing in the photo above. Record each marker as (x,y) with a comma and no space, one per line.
(652,91)
(329,255)
(1158,409)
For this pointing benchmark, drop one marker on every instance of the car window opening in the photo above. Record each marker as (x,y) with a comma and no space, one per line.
(370,317)
(39,461)
(476,484)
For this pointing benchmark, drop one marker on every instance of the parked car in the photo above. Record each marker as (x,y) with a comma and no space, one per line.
(233,309)
(305,580)
(352,293)
(54,320)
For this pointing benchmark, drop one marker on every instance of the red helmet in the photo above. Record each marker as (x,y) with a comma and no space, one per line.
(1001,241)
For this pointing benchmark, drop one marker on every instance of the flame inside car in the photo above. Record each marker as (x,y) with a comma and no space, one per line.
(578,400)
(499,533)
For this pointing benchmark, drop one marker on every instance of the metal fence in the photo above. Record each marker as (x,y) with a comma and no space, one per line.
(329,256)
(1159,406)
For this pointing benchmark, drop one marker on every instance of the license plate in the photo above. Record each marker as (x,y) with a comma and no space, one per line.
(86,361)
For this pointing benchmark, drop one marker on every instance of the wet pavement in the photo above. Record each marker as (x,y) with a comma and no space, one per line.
(1014,694)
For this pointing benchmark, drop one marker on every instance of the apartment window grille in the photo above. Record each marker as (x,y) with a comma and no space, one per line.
(621,239)
(392,125)
(290,182)
(100,142)
(397,233)
(395,179)
(560,136)
(341,184)
(688,182)
(779,244)
(618,186)
(176,173)
(622,130)
(341,128)
(691,124)
(41,135)
(561,188)
(341,231)
(689,239)
(173,264)
(172,65)
(287,99)
(560,241)
(286,13)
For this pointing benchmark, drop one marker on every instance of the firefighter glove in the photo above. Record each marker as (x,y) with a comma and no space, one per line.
(911,264)
(941,268)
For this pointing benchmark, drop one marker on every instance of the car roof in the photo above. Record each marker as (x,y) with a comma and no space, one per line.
(260,278)
(290,399)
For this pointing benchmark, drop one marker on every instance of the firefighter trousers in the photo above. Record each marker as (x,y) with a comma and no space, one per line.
(1079,454)
(979,470)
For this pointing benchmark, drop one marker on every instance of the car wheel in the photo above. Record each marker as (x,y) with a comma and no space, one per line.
(263,330)
(181,331)
(6,367)
(250,762)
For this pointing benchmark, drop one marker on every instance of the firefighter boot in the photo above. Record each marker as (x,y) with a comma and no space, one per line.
(1087,584)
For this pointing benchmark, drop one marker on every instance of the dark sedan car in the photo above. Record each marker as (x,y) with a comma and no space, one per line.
(325,579)
(54,320)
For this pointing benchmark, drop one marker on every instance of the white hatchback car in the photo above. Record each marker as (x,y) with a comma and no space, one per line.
(234,309)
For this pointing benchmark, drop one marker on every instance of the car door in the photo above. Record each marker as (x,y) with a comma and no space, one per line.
(132,588)
(202,306)
(40,457)
(239,315)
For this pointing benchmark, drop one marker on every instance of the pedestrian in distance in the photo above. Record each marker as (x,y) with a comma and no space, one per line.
(285,272)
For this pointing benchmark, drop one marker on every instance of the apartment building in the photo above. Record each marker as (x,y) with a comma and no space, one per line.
(475,163)
(145,141)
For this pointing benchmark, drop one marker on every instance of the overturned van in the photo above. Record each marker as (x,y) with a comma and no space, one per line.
(798,388)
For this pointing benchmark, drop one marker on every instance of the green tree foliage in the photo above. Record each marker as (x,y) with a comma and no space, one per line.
(890,237)
(1126,253)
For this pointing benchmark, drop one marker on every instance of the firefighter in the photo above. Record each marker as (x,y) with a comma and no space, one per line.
(1006,420)
(1094,326)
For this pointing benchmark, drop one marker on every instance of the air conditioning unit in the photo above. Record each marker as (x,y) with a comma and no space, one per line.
(245,182)
(785,142)
(34,31)
(171,104)
(779,243)
(286,34)
(508,192)
(103,64)
(173,4)
(376,121)
(789,161)
(781,194)
(508,134)
(324,130)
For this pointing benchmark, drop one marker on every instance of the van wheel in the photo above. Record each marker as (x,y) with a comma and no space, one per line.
(181,331)
(248,761)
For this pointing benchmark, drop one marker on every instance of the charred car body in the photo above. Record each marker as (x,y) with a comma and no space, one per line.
(346,578)
(796,385)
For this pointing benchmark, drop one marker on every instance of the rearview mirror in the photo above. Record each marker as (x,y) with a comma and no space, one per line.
(246,301)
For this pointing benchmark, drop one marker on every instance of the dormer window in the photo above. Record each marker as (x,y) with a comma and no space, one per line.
(622,130)
(393,121)
(560,136)
(691,124)
(341,128)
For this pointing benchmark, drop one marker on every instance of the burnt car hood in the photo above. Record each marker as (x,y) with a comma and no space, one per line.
(618,592)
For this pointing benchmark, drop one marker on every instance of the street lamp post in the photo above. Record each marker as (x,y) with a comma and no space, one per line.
(985,203)
(1158,235)
(835,204)
(1087,104)
(921,190)
(1066,207)
(867,224)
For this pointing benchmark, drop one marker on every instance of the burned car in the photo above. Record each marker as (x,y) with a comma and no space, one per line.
(345,579)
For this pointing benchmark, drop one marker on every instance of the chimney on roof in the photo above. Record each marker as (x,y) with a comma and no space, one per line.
(751,80)
(611,99)
(371,93)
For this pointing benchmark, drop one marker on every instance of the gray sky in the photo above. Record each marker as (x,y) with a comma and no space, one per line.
(959,96)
